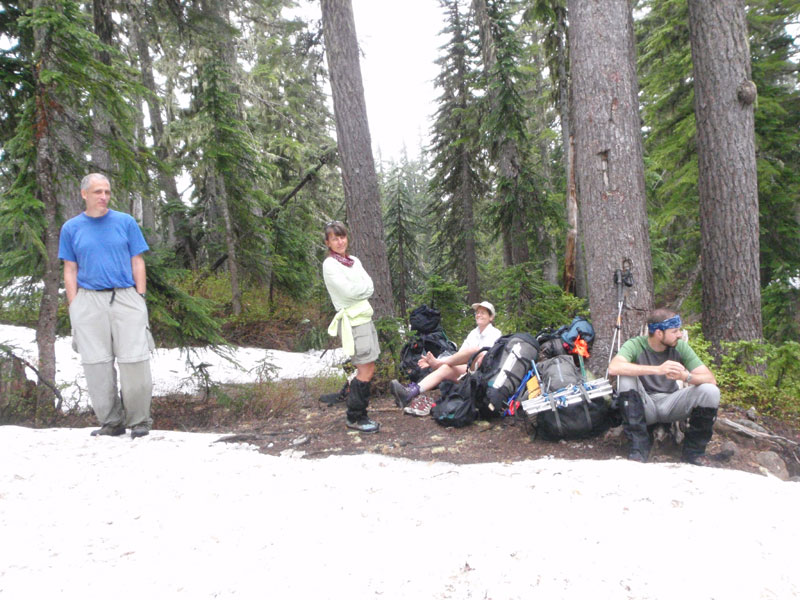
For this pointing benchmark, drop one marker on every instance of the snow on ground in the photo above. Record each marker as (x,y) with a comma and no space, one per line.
(171,373)
(176,515)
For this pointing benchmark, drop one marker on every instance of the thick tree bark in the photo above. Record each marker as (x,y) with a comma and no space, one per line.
(571,250)
(727,181)
(359,179)
(608,164)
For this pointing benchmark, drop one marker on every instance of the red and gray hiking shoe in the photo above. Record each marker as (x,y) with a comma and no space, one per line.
(419,406)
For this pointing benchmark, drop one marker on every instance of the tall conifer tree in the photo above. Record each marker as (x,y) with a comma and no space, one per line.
(608,163)
(724,97)
(457,185)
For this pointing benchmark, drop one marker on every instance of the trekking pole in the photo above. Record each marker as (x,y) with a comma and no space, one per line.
(622,278)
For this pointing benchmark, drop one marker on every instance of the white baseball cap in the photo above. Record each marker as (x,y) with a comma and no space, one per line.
(487,305)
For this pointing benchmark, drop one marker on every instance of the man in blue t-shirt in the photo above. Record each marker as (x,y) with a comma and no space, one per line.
(649,369)
(106,283)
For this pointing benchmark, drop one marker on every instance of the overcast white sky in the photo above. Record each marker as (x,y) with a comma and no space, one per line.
(399,41)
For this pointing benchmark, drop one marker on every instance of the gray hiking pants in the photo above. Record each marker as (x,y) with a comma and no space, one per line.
(105,330)
(677,406)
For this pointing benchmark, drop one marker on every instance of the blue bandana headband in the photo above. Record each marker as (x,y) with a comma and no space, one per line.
(671,323)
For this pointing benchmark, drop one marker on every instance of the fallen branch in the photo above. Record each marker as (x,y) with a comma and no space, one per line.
(249,437)
(790,445)
(52,386)
(753,433)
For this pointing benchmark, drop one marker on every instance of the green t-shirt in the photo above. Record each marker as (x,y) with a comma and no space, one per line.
(637,350)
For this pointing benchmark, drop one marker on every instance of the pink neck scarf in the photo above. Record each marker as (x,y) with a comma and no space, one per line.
(345,260)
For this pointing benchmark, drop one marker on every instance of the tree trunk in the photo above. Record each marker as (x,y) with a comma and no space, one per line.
(143,203)
(219,195)
(359,179)
(609,168)
(465,192)
(55,188)
(166,182)
(727,181)
(104,29)
(571,250)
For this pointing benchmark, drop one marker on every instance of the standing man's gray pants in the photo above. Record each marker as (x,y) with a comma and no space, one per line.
(109,325)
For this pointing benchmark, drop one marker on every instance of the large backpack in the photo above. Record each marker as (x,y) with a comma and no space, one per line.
(502,370)
(557,373)
(586,418)
(424,319)
(555,342)
(579,327)
(436,343)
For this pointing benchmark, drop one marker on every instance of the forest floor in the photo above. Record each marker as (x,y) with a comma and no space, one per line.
(291,419)
(311,429)
(314,430)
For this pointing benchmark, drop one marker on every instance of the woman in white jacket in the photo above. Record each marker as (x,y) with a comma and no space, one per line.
(350,288)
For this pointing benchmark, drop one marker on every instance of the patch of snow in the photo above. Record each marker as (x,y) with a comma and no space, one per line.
(175,515)
(172,373)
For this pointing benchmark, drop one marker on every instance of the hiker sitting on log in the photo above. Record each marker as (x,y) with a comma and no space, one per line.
(649,368)
(451,368)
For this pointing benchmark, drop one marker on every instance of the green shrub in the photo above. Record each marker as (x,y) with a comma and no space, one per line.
(391,339)
(528,303)
(755,373)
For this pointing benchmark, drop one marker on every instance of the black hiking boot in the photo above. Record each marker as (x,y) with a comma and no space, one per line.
(403,394)
(357,403)
(109,430)
(698,434)
(139,431)
(631,408)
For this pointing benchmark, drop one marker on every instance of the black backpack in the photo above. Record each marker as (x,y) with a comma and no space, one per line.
(436,343)
(583,419)
(424,319)
(458,407)
(503,368)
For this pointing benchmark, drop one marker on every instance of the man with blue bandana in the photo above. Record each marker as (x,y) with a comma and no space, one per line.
(649,369)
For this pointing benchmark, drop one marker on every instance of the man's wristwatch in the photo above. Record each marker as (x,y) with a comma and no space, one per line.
(688,379)
(143,295)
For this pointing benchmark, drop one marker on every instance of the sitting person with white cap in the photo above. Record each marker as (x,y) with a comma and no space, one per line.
(454,366)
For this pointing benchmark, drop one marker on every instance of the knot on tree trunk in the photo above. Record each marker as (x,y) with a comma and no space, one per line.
(746,92)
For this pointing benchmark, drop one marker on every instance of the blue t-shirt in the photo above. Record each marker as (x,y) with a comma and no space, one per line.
(103,248)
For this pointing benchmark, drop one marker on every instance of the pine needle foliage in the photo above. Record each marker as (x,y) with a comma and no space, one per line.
(82,84)
(526,302)
(402,224)
(457,185)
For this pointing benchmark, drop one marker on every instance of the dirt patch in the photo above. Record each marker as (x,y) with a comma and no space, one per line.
(312,429)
